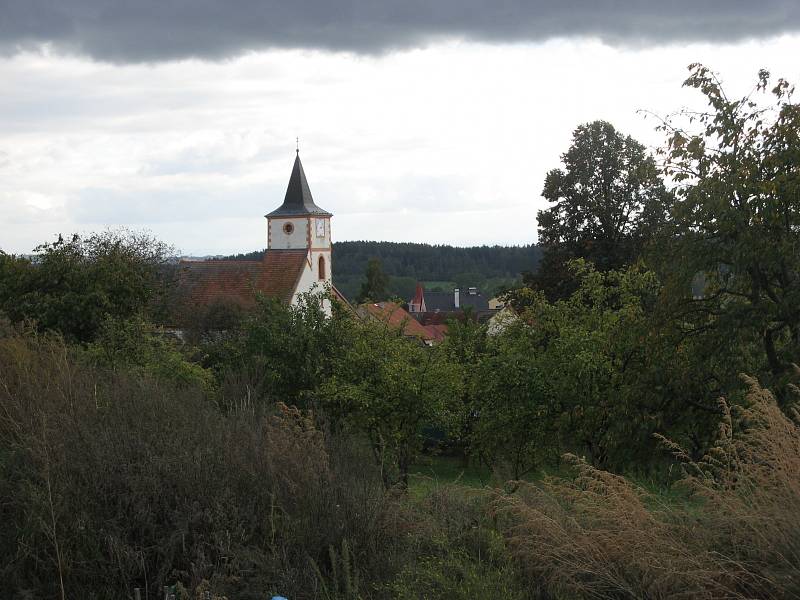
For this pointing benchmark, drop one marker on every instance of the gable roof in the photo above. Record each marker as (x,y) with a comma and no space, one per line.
(445,301)
(298,200)
(438,332)
(396,317)
(418,302)
(237,281)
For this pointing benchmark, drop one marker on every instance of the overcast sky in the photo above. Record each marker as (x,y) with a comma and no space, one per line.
(416,123)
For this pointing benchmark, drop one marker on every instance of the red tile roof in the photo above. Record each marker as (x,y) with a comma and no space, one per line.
(396,317)
(438,332)
(237,281)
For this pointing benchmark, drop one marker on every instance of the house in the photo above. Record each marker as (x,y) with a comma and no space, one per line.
(395,317)
(455,301)
(297,259)
(436,308)
(496,303)
(501,320)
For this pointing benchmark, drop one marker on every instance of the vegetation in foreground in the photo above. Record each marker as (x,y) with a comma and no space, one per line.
(281,452)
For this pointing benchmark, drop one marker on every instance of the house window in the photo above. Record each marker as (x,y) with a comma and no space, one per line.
(322,267)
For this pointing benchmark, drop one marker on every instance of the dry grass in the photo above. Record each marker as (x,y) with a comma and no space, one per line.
(736,534)
(110,482)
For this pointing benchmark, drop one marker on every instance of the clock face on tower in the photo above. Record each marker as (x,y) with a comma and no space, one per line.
(320,228)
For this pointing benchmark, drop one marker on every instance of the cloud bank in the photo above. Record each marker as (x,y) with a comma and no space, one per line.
(131,31)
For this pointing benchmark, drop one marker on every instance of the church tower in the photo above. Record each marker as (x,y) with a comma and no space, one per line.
(299,224)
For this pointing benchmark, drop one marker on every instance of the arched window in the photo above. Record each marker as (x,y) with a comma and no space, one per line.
(322,267)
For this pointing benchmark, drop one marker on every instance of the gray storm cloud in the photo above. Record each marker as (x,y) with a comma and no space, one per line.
(158,30)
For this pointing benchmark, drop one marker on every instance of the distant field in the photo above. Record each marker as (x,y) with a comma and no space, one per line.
(440,285)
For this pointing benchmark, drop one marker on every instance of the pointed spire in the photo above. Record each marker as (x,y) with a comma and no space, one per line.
(298,200)
(418,303)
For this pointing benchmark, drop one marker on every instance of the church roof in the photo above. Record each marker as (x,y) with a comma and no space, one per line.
(205,282)
(298,200)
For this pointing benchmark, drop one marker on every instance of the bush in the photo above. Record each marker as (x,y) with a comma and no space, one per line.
(459,552)
(110,481)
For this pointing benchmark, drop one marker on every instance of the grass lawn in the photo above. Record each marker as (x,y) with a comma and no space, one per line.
(431,471)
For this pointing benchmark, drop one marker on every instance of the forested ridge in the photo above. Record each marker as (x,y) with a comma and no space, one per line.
(619,436)
(491,268)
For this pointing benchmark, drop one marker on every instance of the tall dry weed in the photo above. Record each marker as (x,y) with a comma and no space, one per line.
(110,481)
(733,534)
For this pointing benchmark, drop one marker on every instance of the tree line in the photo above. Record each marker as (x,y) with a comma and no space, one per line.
(492,268)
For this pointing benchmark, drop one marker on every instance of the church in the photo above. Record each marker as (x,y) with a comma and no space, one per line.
(297,259)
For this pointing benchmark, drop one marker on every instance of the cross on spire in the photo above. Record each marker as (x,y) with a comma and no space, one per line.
(297,149)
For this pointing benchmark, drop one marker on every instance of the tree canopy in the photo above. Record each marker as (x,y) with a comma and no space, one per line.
(374,288)
(737,217)
(606,202)
(73,284)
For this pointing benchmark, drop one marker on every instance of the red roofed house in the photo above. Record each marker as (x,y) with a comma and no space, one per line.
(297,259)
(395,317)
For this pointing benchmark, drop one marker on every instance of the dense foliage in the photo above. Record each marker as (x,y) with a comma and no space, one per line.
(277,450)
(72,285)
(607,203)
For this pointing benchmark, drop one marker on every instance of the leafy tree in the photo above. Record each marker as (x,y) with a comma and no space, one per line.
(597,374)
(465,346)
(374,289)
(389,388)
(134,346)
(737,218)
(282,353)
(606,203)
(72,286)
(514,416)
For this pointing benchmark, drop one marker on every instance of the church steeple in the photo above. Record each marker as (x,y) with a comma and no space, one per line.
(298,223)
(298,200)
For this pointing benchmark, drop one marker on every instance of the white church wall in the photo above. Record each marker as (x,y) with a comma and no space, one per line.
(297,239)
(309,281)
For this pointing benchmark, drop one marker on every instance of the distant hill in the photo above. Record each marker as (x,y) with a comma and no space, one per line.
(438,267)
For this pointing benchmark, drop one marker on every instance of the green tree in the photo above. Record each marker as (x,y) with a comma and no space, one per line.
(374,289)
(737,218)
(466,347)
(134,346)
(389,388)
(282,353)
(72,286)
(514,416)
(607,202)
(597,374)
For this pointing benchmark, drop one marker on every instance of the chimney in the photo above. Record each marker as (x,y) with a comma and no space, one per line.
(456,299)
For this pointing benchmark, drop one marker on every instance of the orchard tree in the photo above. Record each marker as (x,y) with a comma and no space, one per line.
(389,388)
(737,217)
(280,352)
(515,420)
(606,203)
(597,374)
(466,347)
